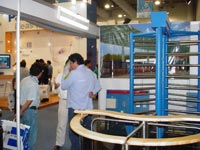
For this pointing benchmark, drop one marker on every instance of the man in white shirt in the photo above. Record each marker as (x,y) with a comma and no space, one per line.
(62,112)
(30,101)
(82,85)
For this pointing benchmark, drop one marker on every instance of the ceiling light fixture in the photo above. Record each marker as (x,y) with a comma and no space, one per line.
(157,2)
(71,18)
(188,2)
(119,15)
(107,6)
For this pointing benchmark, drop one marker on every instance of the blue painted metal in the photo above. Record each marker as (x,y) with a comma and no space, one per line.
(122,103)
(174,33)
(162,34)
(165,75)
(162,22)
(159,77)
(131,85)
(159,69)
(198,93)
(159,19)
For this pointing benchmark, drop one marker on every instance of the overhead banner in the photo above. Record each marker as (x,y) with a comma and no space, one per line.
(144,8)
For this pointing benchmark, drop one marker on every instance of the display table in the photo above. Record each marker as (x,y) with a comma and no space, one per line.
(5,88)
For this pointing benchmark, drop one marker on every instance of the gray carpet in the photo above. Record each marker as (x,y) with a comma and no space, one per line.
(47,128)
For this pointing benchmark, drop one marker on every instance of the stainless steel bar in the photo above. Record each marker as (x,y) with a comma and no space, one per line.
(109,119)
(181,105)
(183,77)
(184,41)
(144,65)
(19,146)
(145,112)
(144,133)
(177,126)
(184,54)
(142,84)
(145,53)
(184,44)
(145,88)
(183,65)
(181,111)
(133,133)
(182,88)
(182,95)
(172,84)
(183,100)
(189,124)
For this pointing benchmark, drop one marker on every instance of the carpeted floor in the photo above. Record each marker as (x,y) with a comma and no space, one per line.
(47,128)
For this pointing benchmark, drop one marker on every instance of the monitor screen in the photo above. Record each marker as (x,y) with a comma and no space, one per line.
(5,60)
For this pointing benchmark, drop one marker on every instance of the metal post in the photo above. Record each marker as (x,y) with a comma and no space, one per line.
(165,56)
(131,85)
(144,133)
(1,137)
(159,70)
(18,75)
(159,77)
(131,70)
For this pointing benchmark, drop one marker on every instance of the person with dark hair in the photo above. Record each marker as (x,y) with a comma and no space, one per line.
(23,70)
(50,69)
(23,73)
(96,70)
(44,77)
(50,72)
(62,108)
(30,101)
(81,85)
(88,63)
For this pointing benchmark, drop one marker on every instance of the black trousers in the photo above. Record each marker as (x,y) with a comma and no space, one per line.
(76,142)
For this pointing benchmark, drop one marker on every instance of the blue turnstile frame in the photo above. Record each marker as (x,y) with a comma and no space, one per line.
(160,24)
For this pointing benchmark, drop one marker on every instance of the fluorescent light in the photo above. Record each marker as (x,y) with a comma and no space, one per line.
(73,2)
(74,23)
(67,11)
(71,18)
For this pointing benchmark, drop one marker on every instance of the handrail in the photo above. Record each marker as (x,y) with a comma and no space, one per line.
(133,117)
(79,129)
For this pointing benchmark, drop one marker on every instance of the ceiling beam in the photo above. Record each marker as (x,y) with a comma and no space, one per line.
(103,13)
(198,11)
(126,7)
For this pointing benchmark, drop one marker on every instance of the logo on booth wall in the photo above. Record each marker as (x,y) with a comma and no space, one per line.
(10,17)
(23,25)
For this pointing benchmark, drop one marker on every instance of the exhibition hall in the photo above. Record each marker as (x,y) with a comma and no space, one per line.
(125,73)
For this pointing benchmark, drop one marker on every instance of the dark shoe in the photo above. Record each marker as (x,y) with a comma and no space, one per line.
(56,147)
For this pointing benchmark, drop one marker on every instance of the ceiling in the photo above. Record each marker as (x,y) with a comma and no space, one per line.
(128,9)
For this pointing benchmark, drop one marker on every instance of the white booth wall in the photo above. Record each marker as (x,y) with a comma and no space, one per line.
(38,43)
